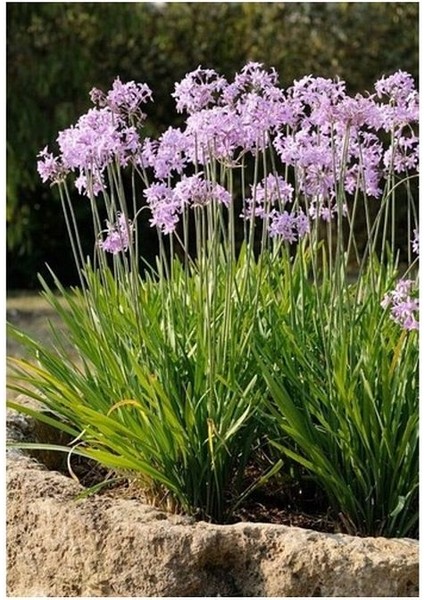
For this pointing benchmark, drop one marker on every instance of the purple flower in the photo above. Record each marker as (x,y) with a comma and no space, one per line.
(248,111)
(283,225)
(50,167)
(302,224)
(90,184)
(327,142)
(274,189)
(403,154)
(364,169)
(357,112)
(321,208)
(99,138)
(128,96)
(290,227)
(92,142)
(253,78)
(124,98)
(398,87)
(258,103)
(270,192)
(334,136)
(118,236)
(171,153)
(404,314)
(402,107)
(215,133)
(404,307)
(195,191)
(322,156)
(258,117)
(402,290)
(313,157)
(164,205)
(147,153)
(198,90)
(314,99)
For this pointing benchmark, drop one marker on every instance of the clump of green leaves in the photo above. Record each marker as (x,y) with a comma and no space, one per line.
(343,395)
(157,390)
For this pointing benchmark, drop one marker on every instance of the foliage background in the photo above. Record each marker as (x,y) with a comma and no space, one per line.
(56,52)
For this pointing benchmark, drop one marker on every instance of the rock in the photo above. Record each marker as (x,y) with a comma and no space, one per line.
(103,546)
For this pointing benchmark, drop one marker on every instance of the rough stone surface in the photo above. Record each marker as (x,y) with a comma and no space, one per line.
(116,547)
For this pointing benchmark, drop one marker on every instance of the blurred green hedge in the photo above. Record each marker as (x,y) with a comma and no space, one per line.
(56,52)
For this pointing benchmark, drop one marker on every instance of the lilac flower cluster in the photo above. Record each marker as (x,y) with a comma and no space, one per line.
(118,236)
(196,191)
(333,143)
(290,227)
(168,155)
(404,306)
(49,167)
(245,113)
(266,195)
(104,135)
(198,90)
(268,201)
(326,141)
(124,98)
(164,206)
(166,203)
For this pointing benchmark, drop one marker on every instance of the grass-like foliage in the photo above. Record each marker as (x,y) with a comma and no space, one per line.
(159,390)
(243,345)
(344,398)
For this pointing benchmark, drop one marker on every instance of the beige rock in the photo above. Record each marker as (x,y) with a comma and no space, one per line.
(117,547)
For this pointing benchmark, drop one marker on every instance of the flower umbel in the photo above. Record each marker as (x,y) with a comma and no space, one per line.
(118,236)
(49,167)
(403,304)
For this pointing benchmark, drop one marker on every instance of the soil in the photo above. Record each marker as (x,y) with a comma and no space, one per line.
(300,508)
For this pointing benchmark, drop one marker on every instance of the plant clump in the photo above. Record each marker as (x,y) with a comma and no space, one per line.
(248,342)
